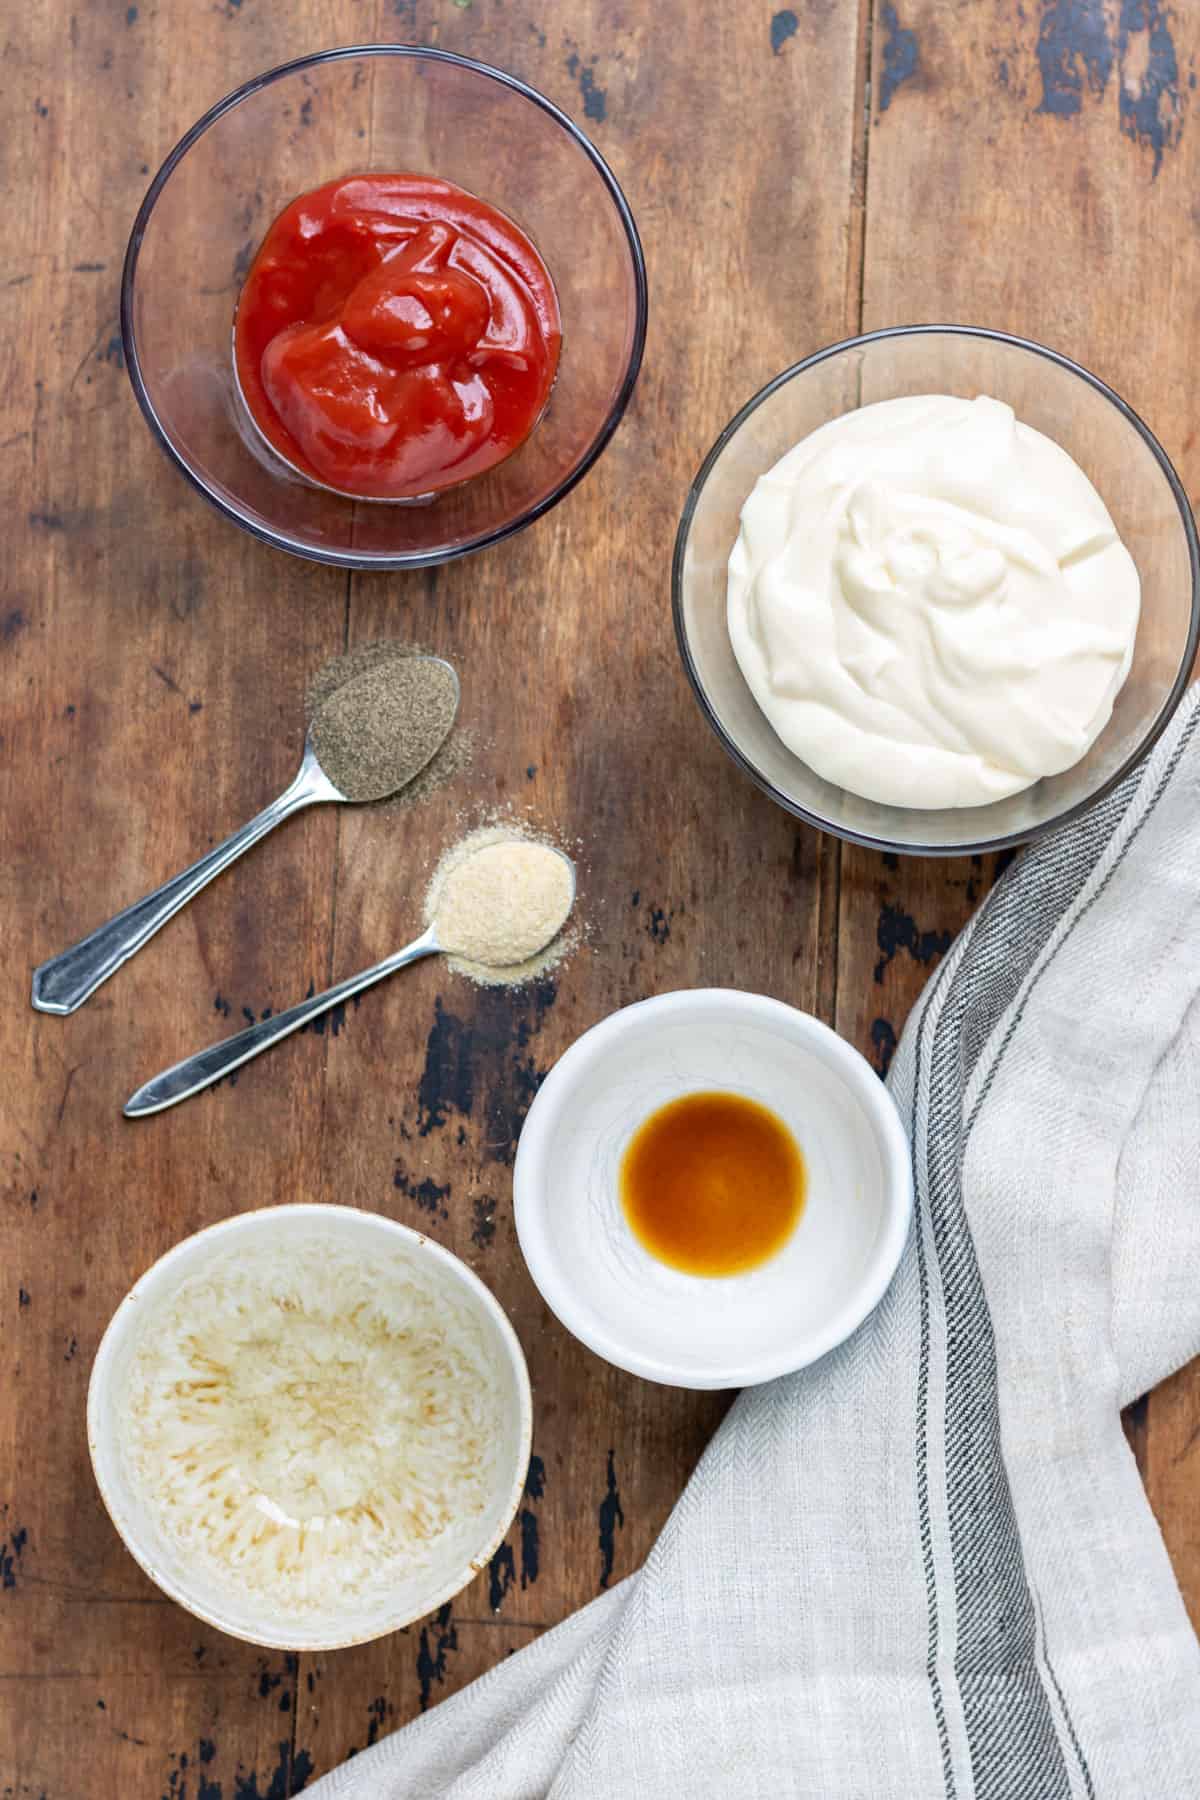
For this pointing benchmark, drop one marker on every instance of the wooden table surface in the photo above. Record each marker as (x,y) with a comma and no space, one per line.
(798,174)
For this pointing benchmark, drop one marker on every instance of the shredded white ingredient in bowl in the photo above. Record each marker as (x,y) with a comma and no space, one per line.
(306,1427)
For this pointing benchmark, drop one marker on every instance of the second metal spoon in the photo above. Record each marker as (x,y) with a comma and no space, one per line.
(199,1071)
(195,1072)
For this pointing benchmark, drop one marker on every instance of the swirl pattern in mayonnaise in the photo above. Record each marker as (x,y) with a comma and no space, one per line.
(931,604)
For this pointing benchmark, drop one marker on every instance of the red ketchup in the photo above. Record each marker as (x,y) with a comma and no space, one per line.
(395,335)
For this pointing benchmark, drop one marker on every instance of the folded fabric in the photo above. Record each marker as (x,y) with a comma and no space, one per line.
(926,1566)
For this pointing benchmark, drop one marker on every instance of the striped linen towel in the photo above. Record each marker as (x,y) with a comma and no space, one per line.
(925,1567)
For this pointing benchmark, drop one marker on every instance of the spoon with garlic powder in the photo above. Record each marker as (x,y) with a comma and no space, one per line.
(368,739)
(492,909)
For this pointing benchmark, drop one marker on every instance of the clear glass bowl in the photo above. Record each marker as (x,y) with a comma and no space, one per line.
(1126,464)
(386,107)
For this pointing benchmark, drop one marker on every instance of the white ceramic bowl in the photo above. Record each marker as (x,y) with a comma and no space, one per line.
(693,1331)
(458,1557)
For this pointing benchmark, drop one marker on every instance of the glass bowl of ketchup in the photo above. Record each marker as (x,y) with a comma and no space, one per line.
(383,306)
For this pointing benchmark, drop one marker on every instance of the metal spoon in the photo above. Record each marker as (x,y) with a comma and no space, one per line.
(206,1066)
(67,980)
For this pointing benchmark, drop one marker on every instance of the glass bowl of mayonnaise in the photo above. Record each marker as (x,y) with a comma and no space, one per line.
(936,589)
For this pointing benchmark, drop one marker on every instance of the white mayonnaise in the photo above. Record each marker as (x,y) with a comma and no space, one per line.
(931,604)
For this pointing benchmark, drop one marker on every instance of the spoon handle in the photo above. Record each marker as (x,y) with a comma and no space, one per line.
(72,977)
(200,1071)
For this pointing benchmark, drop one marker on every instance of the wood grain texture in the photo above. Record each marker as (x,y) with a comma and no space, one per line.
(152,670)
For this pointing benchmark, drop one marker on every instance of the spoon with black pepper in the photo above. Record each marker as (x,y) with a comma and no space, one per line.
(368,739)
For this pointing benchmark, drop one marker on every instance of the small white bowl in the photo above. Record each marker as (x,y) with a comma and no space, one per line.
(456,1560)
(696,1331)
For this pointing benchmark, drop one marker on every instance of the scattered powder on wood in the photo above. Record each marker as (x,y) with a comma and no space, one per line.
(456,753)
(380,729)
(499,901)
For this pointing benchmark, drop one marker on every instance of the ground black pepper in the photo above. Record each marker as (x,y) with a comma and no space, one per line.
(456,752)
(379,729)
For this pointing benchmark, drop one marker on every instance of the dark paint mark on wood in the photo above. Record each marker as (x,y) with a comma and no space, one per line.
(531,771)
(377,1712)
(635,899)
(483,1227)
(529,1547)
(890,860)
(290,1775)
(221,1006)
(11,1553)
(88,268)
(897,931)
(1151,101)
(535,1480)
(784,25)
(13,623)
(883,1043)
(1074,50)
(267,1680)
(131,13)
(1079,44)
(427,1194)
(47,521)
(594,98)
(448,1078)
(609,1516)
(167,680)
(502,1574)
(335,1018)
(901,57)
(72,1347)
(437,1640)
(482,1068)
(658,926)
(22,1298)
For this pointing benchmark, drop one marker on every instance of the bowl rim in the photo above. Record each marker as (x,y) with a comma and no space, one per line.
(1007,840)
(529,1182)
(99,1412)
(356,559)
